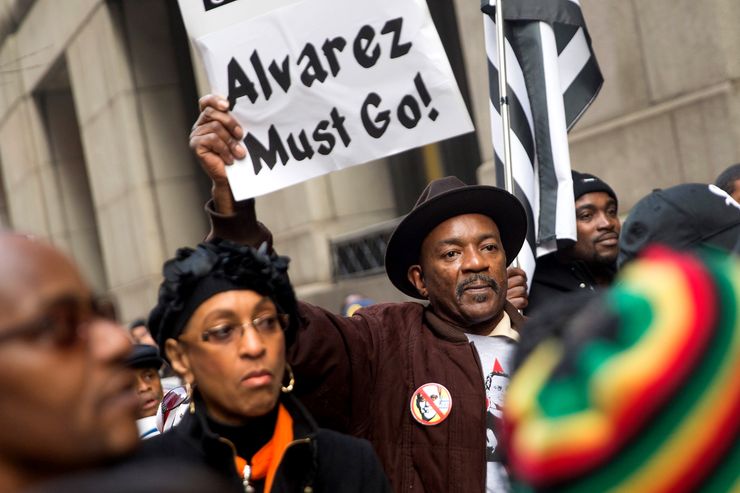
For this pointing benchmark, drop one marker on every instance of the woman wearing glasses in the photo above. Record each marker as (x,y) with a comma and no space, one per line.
(223,315)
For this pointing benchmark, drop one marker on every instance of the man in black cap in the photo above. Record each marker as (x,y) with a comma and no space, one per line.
(140,332)
(146,362)
(368,374)
(729,181)
(591,261)
(683,217)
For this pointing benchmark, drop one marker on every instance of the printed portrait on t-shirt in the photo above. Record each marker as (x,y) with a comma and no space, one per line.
(497,381)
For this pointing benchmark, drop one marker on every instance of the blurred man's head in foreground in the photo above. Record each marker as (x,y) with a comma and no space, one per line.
(729,181)
(68,401)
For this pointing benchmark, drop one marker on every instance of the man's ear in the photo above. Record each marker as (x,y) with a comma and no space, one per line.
(179,360)
(416,277)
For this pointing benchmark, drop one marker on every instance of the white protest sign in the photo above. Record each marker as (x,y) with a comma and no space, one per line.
(206,16)
(322,85)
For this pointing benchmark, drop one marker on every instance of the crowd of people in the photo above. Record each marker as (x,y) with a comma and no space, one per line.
(617,371)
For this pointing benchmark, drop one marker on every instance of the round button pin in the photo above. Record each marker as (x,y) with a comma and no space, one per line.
(431,404)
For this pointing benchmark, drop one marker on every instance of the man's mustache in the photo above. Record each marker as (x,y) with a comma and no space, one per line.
(476,278)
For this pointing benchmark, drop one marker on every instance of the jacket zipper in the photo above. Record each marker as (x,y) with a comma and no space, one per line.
(307,488)
(247,471)
(246,476)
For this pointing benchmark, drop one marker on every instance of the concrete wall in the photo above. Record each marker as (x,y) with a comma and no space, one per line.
(134,134)
(131,165)
(66,188)
(668,111)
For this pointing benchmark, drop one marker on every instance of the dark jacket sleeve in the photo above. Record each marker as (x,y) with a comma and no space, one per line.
(553,280)
(240,227)
(335,361)
(541,294)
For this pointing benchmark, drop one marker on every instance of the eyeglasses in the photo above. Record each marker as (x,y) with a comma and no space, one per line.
(173,407)
(174,398)
(230,332)
(63,322)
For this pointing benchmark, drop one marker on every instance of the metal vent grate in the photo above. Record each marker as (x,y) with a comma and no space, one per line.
(361,253)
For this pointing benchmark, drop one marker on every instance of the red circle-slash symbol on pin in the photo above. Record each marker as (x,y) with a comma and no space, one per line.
(431,404)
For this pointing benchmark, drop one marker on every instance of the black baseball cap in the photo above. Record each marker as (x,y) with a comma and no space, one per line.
(682,217)
(144,356)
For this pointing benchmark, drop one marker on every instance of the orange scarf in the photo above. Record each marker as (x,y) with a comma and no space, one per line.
(267,459)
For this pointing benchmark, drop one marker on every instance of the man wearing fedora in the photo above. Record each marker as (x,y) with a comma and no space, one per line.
(368,374)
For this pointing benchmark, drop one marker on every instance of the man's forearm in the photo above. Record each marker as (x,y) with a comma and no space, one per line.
(236,221)
(222,199)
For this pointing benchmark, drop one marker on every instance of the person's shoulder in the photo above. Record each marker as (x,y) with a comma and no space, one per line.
(395,309)
(174,443)
(133,475)
(394,320)
(161,444)
(398,309)
(555,275)
(340,441)
(548,264)
(343,450)
(350,461)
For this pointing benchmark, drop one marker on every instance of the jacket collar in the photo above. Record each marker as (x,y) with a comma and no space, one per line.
(304,425)
(445,330)
(219,453)
(551,269)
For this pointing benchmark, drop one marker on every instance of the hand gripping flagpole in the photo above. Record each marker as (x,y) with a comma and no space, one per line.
(504,103)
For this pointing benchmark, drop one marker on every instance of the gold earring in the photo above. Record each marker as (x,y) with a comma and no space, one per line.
(289,388)
(191,407)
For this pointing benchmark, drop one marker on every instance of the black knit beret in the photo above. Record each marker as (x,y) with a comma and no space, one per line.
(194,275)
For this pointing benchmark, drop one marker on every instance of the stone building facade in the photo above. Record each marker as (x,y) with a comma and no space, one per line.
(97,99)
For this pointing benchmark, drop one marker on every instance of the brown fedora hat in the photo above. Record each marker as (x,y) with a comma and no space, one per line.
(441,200)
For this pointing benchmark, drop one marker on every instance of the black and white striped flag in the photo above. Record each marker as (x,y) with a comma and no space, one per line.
(552,77)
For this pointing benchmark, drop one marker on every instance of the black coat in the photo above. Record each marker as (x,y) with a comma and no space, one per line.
(553,278)
(317,460)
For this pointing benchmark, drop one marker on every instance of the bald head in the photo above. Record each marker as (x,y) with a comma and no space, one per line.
(68,401)
(23,254)
(31,271)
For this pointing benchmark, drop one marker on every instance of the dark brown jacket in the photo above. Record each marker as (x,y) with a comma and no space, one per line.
(358,375)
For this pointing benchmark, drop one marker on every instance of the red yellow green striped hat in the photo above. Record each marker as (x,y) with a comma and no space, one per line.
(642,393)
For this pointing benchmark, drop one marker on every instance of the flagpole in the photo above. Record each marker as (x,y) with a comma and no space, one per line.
(504,103)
